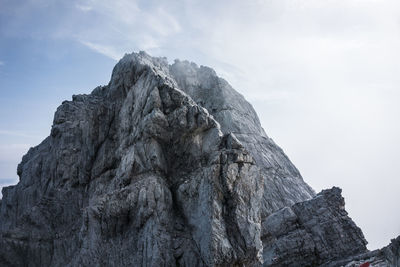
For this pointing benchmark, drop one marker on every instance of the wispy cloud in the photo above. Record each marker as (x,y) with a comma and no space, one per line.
(121,27)
(1,63)
(108,51)
(84,8)
(18,134)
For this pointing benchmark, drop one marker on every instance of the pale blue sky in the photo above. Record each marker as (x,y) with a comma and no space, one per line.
(323,76)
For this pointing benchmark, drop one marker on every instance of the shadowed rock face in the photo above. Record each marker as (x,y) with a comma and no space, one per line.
(167,165)
(312,232)
(387,256)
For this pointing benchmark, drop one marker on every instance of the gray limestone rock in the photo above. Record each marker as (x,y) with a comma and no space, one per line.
(283,184)
(387,256)
(167,165)
(311,233)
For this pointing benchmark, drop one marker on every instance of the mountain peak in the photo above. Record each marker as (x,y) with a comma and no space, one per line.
(167,165)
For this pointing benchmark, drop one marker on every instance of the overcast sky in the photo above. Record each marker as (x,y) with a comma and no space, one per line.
(323,76)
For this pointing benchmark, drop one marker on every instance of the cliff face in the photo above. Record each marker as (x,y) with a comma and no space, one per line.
(167,165)
(282,181)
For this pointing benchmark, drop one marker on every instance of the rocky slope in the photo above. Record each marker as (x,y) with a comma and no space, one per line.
(167,165)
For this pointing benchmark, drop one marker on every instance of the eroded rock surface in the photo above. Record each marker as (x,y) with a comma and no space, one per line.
(312,232)
(283,184)
(167,165)
(387,256)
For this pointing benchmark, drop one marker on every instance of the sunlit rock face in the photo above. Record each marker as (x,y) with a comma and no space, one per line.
(167,165)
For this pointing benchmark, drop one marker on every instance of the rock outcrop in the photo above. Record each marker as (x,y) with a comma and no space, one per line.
(312,232)
(387,256)
(167,165)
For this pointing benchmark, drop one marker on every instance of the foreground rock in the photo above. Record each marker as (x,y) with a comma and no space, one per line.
(311,232)
(387,256)
(167,165)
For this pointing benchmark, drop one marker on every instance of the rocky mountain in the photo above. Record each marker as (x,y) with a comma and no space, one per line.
(168,165)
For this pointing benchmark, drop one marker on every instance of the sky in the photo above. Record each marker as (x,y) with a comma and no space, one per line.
(323,76)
